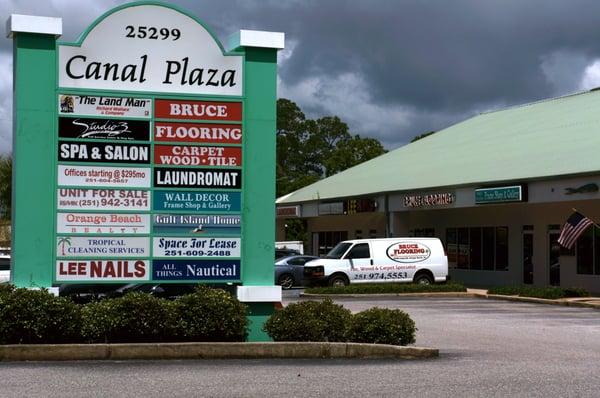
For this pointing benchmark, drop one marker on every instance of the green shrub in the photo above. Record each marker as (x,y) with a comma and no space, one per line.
(37,316)
(546,292)
(382,326)
(377,288)
(309,321)
(134,318)
(211,315)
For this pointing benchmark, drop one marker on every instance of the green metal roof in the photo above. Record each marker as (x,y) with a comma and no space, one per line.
(554,137)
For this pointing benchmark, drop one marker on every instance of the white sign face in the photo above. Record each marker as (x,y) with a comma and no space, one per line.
(150,48)
(196,247)
(102,270)
(102,223)
(87,105)
(102,199)
(132,177)
(408,252)
(101,247)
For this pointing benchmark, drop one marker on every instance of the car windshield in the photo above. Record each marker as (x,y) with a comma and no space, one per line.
(339,250)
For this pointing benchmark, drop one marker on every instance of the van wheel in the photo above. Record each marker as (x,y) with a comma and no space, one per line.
(286,281)
(423,279)
(338,280)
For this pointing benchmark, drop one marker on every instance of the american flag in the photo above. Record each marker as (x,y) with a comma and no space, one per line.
(575,225)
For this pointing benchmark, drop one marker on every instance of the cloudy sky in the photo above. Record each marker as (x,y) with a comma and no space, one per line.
(391,69)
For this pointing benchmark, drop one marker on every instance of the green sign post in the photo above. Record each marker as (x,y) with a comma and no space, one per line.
(145,153)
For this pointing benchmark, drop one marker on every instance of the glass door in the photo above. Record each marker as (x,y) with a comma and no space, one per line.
(527,258)
(553,258)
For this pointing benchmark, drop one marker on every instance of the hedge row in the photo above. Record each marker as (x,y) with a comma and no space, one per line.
(547,292)
(326,321)
(36,316)
(375,288)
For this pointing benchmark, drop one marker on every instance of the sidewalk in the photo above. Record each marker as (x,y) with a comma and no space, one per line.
(587,302)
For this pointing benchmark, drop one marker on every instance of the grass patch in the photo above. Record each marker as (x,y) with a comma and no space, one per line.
(375,288)
(546,292)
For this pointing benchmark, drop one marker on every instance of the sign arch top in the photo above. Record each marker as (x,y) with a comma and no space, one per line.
(150,47)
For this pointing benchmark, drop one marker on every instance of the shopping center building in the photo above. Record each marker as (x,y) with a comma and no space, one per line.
(495,189)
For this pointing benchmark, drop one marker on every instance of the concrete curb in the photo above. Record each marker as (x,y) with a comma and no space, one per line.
(571,302)
(285,350)
(534,300)
(383,295)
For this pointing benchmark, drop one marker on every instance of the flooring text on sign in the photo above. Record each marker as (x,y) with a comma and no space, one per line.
(199,133)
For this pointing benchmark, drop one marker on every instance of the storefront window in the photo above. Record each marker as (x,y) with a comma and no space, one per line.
(501,248)
(327,240)
(475,245)
(585,252)
(478,248)
(451,247)
(488,248)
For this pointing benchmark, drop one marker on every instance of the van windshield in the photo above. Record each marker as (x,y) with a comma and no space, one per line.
(339,250)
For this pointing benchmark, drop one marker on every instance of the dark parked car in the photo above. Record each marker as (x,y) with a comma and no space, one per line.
(280,253)
(289,270)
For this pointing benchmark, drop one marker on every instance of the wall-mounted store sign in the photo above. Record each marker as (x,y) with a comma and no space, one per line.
(198,133)
(204,224)
(92,105)
(109,129)
(102,199)
(179,155)
(331,208)
(204,201)
(96,152)
(102,247)
(103,176)
(102,223)
(150,48)
(288,211)
(190,269)
(429,200)
(499,195)
(196,247)
(102,270)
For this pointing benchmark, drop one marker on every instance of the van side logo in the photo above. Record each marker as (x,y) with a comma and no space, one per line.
(408,252)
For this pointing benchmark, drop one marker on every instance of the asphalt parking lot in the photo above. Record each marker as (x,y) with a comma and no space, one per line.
(488,348)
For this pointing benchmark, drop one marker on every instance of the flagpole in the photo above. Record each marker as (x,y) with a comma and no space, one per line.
(593,222)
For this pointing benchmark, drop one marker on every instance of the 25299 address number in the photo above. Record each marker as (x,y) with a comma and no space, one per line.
(152,33)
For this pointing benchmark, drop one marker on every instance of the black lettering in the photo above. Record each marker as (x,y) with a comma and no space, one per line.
(68,66)
(170,71)
(212,73)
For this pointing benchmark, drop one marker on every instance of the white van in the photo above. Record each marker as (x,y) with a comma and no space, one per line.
(418,260)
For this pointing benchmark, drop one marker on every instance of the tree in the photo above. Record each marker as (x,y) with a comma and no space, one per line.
(308,150)
(351,152)
(418,137)
(5,185)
